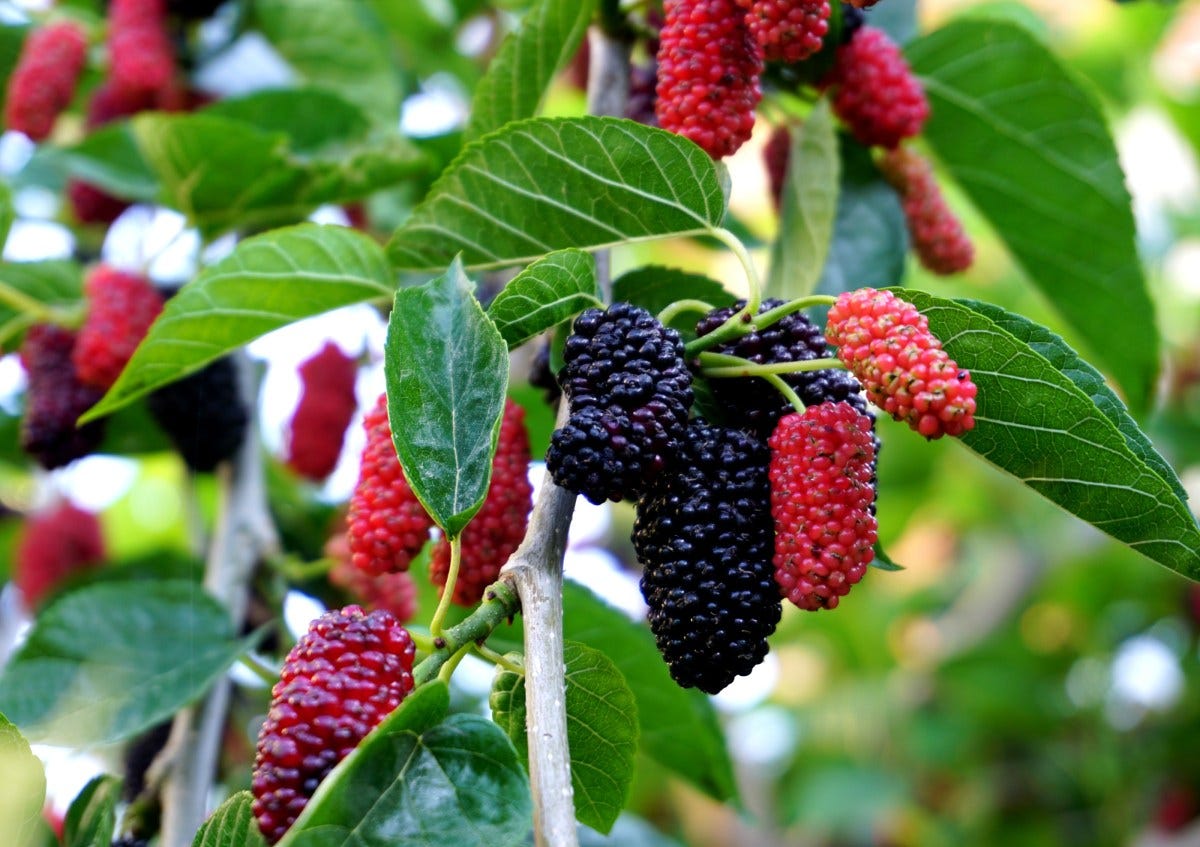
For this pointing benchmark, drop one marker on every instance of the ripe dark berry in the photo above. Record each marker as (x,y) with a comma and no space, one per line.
(887,344)
(499,526)
(44,79)
(703,534)
(92,205)
(194,9)
(140,55)
(386,524)
(875,91)
(54,544)
(852,21)
(343,677)
(203,414)
(327,404)
(776,153)
(708,74)
(630,393)
(787,30)
(753,403)
(55,400)
(121,307)
(131,841)
(643,80)
(822,491)
(937,236)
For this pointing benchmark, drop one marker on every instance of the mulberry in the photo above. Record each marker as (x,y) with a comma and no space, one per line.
(327,404)
(393,592)
(55,400)
(937,235)
(776,153)
(703,534)
(709,66)
(55,544)
(499,525)
(43,82)
(643,80)
(141,57)
(121,307)
(630,393)
(822,493)
(875,91)
(887,344)
(92,205)
(203,414)
(343,677)
(787,30)
(387,525)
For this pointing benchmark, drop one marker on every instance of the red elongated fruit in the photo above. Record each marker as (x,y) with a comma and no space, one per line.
(54,544)
(776,153)
(121,307)
(936,233)
(386,524)
(787,30)
(55,400)
(327,403)
(886,343)
(822,490)
(141,57)
(499,526)
(341,679)
(92,205)
(44,79)
(875,92)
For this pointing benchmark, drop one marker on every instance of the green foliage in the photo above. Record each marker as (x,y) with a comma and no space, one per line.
(92,818)
(232,825)
(54,283)
(109,158)
(545,294)
(24,790)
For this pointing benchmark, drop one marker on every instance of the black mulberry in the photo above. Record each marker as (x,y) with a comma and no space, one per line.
(56,398)
(203,414)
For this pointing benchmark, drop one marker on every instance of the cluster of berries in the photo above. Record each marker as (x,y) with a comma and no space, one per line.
(768,503)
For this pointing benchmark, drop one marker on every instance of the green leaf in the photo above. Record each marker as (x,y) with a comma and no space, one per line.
(92,819)
(883,561)
(546,184)
(231,825)
(528,61)
(808,207)
(313,119)
(1043,169)
(601,730)
(109,158)
(56,283)
(1036,423)
(267,282)
(545,294)
(7,212)
(446,368)
(679,729)
(24,789)
(338,45)
(418,780)
(105,662)
(12,39)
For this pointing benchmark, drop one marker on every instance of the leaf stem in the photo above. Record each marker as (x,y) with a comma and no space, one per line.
(451,665)
(500,603)
(488,654)
(443,607)
(754,292)
(680,306)
(745,322)
(261,669)
(719,365)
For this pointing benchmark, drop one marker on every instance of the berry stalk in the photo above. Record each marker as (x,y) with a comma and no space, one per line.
(721,365)
(680,307)
(439,616)
(500,603)
(744,321)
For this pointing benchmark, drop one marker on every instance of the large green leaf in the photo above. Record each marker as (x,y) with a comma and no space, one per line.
(92,819)
(529,59)
(418,780)
(105,662)
(543,295)
(1038,424)
(679,729)
(231,825)
(1043,169)
(601,730)
(546,184)
(267,282)
(313,119)
(24,789)
(110,159)
(446,367)
(808,207)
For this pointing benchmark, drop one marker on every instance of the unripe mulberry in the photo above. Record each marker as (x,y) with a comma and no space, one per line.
(327,404)
(754,404)
(708,74)
(629,392)
(343,677)
(141,57)
(121,307)
(875,91)
(887,344)
(937,235)
(703,535)
(787,30)
(55,400)
(43,82)
(386,524)
(822,493)
(203,414)
(55,544)
(499,526)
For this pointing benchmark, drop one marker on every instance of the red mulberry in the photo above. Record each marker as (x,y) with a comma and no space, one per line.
(121,307)
(875,91)
(343,677)
(886,343)
(55,400)
(822,491)
(776,153)
(327,404)
(392,592)
(387,525)
(708,74)
(787,30)
(499,525)
(141,57)
(937,235)
(55,544)
(44,80)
